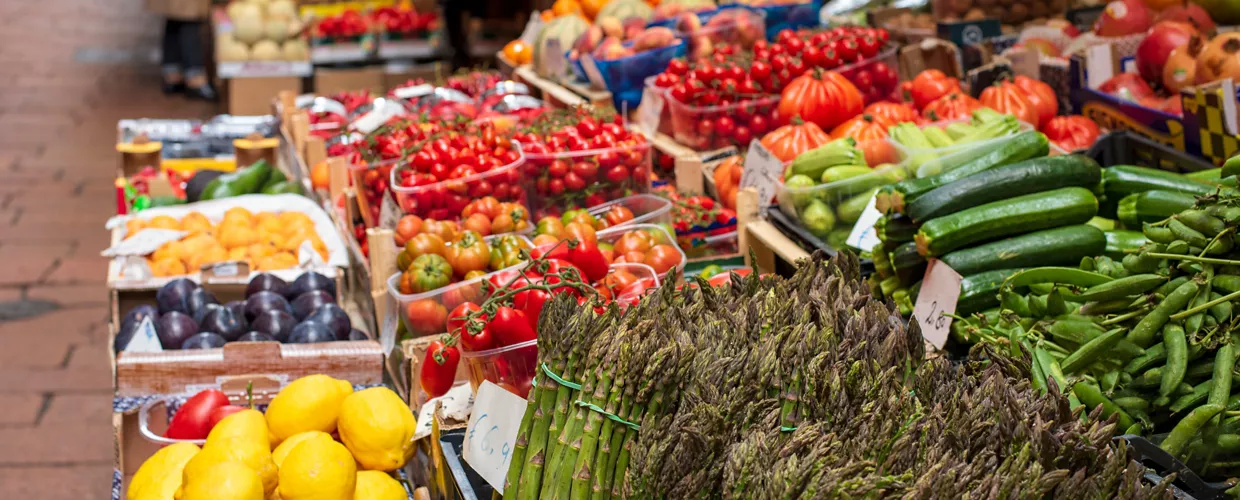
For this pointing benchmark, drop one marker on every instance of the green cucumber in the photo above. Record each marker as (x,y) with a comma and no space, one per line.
(841,172)
(1211,175)
(1122,180)
(979,292)
(1006,151)
(1031,212)
(1029,176)
(1061,246)
(1152,206)
(1119,242)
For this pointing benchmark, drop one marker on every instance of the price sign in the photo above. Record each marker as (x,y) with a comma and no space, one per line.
(414,91)
(144,339)
(492,432)
(554,61)
(649,111)
(144,242)
(762,171)
(863,235)
(375,118)
(389,212)
(940,289)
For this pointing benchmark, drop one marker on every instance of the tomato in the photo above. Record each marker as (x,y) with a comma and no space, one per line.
(530,302)
(445,230)
(1072,133)
(474,335)
(506,252)
(789,141)
(549,225)
(930,85)
(406,228)
(422,244)
(1040,95)
(662,258)
(618,279)
(510,327)
(823,98)
(589,259)
(470,253)
(556,186)
(426,317)
(1006,97)
(581,232)
(617,214)
(558,168)
(951,106)
(488,206)
(868,46)
(891,113)
(426,273)
(503,223)
(192,421)
(478,223)
(574,182)
(438,371)
(617,174)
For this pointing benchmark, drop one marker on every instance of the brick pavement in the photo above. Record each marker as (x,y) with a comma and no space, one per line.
(57,129)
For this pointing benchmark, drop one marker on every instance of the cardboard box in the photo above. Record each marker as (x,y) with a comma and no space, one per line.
(330,81)
(252,96)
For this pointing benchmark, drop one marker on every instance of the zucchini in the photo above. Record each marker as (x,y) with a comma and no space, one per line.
(1122,180)
(1061,246)
(1029,176)
(1152,206)
(896,228)
(1019,147)
(850,210)
(907,264)
(979,292)
(1022,214)
(1119,242)
(1211,175)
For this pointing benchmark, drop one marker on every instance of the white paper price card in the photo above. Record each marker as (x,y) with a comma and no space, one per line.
(863,235)
(389,212)
(762,171)
(144,338)
(650,111)
(144,242)
(491,432)
(413,91)
(940,289)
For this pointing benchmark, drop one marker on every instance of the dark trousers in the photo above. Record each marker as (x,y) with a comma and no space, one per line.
(183,51)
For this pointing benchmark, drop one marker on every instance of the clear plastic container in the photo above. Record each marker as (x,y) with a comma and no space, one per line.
(445,200)
(700,244)
(660,235)
(919,155)
(733,26)
(372,181)
(626,77)
(629,165)
(864,74)
(511,367)
(646,209)
(827,208)
(688,121)
(665,117)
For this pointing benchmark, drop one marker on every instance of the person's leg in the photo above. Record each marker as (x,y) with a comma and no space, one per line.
(193,55)
(171,65)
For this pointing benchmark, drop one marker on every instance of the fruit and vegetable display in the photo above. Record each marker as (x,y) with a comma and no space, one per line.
(267,241)
(404,22)
(702,225)
(317,438)
(830,185)
(262,31)
(347,26)
(189,316)
(793,387)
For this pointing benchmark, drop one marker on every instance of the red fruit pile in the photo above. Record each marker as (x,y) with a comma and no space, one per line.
(346,25)
(326,124)
(726,100)
(450,170)
(849,49)
(395,20)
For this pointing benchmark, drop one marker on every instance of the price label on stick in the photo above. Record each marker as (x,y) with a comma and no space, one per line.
(492,432)
(650,111)
(940,290)
(863,235)
(762,171)
(144,338)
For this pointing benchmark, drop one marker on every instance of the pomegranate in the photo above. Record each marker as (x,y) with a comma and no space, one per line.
(1181,66)
(1157,45)
(1123,17)
(1127,86)
(1188,12)
(1219,59)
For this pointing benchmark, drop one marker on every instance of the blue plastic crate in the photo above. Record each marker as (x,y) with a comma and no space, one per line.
(793,16)
(626,77)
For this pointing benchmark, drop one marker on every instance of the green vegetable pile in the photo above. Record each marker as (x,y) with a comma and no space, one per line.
(807,387)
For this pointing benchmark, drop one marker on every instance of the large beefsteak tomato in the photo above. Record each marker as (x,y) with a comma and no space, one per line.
(1006,97)
(892,112)
(1040,95)
(1072,133)
(950,107)
(871,136)
(929,85)
(824,98)
(789,141)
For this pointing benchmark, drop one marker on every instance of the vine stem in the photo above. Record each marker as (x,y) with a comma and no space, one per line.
(1189,312)
(1194,258)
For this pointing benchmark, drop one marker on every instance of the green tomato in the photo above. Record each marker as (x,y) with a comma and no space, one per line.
(798,189)
(429,272)
(710,271)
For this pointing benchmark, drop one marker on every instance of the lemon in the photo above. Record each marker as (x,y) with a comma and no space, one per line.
(310,403)
(318,469)
(377,426)
(222,481)
(376,485)
(254,455)
(160,476)
(248,425)
(281,452)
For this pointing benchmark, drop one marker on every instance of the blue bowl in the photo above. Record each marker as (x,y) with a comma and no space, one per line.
(781,17)
(626,77)
(579,71)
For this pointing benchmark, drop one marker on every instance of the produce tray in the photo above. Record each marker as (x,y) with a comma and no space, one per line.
(464,482)
(1126,148)
(804,239)
(1160,464)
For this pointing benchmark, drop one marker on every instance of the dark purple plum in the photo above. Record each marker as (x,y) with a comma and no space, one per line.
(204,340)
(256,337)
(308,302)
(174,327)
(124,335)
(202,312)
(199,299)
(265,283)
(278,324)
(225,322)
(356,334)
(334,317)
(138,313)
(238,308)
(175,296)
(309,282)
(265,301)
(310,332)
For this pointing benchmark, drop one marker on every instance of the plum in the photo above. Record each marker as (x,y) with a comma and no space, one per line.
(278,324)
(199,298)
(308,282)
(265,283)
(256,337)
(203,311)
(238,308)
(356,334)
(204,340)
(307,302)
(334,317)
(138,313)
(309,332)
(174,327)
(265,301)
(225,322)
(174,296)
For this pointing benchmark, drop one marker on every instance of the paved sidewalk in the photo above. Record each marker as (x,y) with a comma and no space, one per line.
(69,69)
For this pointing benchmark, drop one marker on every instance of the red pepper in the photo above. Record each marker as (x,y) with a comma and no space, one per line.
(222,412)
(193,420)
(438,371)
(510,327)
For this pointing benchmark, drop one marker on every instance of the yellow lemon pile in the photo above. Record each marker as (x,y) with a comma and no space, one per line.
(267,241)
(289,452)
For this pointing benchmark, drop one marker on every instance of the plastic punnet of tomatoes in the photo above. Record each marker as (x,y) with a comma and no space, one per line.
(703,226)
(430,285)
(439,181)
(862,55)
(511,367)
(648,244)
(723,100)
(579,158)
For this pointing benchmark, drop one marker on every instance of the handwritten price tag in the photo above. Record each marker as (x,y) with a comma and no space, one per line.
(144,339)
(940,290)
(491,432)
(762,171)
(863,235)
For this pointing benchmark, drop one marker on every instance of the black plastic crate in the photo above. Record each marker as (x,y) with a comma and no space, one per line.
(1126,148)
(803,238)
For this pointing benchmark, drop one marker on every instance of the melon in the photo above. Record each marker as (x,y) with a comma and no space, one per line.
(624,9)
(228,49)
(266,50)
(295,50)
(282,8)
(565,29)
(276,28)
(248,23)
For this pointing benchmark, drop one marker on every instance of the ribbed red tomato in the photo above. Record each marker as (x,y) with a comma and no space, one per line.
(823,97)
(1006,97)
(950,107)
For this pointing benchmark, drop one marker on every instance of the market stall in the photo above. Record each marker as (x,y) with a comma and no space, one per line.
(696,249)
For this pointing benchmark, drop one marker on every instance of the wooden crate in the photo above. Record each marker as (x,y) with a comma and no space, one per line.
(759,239)
(551,92)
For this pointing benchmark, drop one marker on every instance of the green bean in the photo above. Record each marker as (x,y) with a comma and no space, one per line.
(1203,369)
(1222,310)
(1201,221)
(1134,429)
(1076,332)
(1041,288)
(1188,427)
(1219,246)
(1037,377)
(1135,263)
(1143,333)
(1108,381)
(1151,378)
(1051,367)
(1177,358)
(1092,350)
(1129,403)
(1088,264)
(1188,234)
(1193,323)
(1229,442)
(1064,275)
(1157,233)
(1055,304)
(1123,287)
(1092,396)
(1105,307)
(1229,283)
(1037,306)
(1152,355)
(1170,286)
(1220,384)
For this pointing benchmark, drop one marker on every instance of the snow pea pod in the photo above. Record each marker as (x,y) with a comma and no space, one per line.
(1091,351)
(1188,427)
(1220,384)
(1152,355)
(1176,344)
(1188,234)
(1157,233)
(1062,275)
(1092,396)
(1152,323)
(1123,287)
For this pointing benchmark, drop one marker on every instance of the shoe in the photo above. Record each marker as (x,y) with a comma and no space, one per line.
(203,92)
(173,88)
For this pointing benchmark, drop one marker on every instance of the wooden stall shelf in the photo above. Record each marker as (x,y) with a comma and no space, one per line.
(759,239)
(329,81)
(597,98)
(550,92)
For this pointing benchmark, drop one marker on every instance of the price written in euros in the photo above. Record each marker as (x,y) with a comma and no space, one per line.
(486,446)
